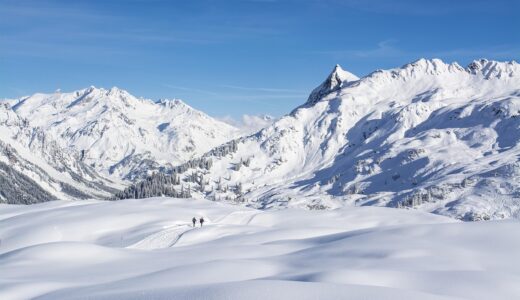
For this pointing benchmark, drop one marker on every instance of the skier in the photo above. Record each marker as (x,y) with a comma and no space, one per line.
(201,221)
(194,220)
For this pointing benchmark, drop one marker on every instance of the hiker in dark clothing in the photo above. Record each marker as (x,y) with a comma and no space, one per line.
(201,221)
(194,220)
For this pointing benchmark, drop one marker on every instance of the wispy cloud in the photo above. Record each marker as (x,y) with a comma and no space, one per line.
(497,52)
(18,91)
(19,11)
(259,89)
(144,36)
(262,1)
(256,96)
(388,49)
(383,49)
(431,8)
(232,92)
(56,50)
(189,89)
(249,124)
(54,28)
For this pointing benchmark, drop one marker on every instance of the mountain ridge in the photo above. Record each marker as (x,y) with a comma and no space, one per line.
(36,169)
(426,135)
(429,135)
(117,132)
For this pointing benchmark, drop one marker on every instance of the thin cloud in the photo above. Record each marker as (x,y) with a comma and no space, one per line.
(143,36)
(55,50)
(388,49)
(383,49)
(36,10)
(17,91)
(259,89)
(50,38)
(255,98)
(272,96)
(189,89)
(249,124)
(430,8)
(497,52)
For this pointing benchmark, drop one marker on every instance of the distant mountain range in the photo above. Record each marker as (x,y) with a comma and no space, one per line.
(35,168)
(429,135)
(123,136)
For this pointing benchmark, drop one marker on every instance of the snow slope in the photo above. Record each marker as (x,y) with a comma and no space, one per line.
(121,135)
(428,135)
(34,168)
(127,250)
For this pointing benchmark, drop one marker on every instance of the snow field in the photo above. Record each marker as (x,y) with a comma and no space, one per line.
(146,249)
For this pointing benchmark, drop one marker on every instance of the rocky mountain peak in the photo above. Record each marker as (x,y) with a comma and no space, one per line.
(336,79)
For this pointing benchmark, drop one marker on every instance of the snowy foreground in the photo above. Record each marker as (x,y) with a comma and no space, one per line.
(146,249)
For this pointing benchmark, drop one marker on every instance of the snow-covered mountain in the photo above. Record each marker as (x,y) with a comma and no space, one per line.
(34,168)
(429,135)
(121,135)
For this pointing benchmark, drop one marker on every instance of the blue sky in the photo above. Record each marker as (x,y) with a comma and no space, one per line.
(236,57)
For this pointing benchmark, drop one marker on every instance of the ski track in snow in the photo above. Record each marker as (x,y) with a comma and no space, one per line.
(170,236)
(163,239)
(242,217)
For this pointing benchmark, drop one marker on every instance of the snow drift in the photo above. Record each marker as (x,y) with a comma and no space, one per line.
(127,250)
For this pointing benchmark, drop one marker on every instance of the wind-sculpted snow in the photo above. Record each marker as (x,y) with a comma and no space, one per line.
(429,135)
(121,135)
(147,249)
